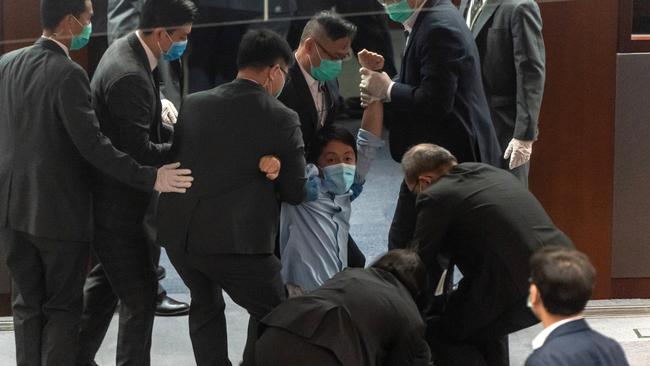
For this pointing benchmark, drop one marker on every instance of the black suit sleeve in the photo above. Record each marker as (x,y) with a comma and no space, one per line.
(291,181)
(530,65)
(75,110)
(129,103)
(443,55)
(434,216)
(403,225)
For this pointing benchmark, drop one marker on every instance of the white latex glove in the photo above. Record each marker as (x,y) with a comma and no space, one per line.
(366,100)
(169,113)
(374,83)
(171,178)
(518,152)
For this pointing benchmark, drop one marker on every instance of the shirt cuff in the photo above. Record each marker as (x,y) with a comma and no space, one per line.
(390,88)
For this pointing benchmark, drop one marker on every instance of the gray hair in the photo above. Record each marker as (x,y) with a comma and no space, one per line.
(424,158)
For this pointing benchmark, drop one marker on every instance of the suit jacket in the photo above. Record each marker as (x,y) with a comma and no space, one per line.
(232,207)
(297,96)
(365,317)
(489,225)
(438,95)
(127,103)
(576,344)
(48,134)
(508,34)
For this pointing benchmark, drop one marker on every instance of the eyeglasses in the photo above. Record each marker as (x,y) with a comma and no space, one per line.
(331,56)
(387,2)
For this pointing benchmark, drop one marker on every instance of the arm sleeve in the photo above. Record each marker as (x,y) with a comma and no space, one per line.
(403,225)
(367,147)
(129,104)
(442,57)
(412,350)
(530,66)
(123,17)
(434,216)
(76,112)
(291,152)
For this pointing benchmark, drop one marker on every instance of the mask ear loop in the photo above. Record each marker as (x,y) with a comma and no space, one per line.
(170,39)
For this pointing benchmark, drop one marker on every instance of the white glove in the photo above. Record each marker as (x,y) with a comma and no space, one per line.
(518,152)
(374,83)
(366,100)
(169,113)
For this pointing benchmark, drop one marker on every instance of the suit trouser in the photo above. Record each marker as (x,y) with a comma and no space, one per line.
(486,346)
(278,347)
(124,272)
(252,281)
(48,277)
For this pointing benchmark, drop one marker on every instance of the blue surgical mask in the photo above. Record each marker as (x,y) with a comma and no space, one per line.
(175,51)
(339,178)
(80,41)
(399,12)
(328,69)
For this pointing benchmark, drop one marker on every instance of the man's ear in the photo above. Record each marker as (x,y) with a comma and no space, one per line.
(535,298)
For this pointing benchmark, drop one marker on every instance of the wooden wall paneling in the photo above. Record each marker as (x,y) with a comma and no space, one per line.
(572,163)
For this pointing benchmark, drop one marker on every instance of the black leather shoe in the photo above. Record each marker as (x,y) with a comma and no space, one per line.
(166,306)
(160,272)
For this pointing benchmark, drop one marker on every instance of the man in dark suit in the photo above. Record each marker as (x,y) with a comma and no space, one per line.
(222,236)
(126,98)
(508,34)
(484,221)
(48,135)
(437,96)
(361,317)
(561,283)
(312,90)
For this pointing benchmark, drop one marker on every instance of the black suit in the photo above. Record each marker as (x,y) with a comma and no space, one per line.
(127,104)
(576,344)
(297,96)
(48,134)
(221,234)
(359,317)
(508,34)
(488,224)
(438,98)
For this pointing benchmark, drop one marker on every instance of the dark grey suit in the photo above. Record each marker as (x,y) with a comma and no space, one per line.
(221,234)
(48,134)
(127,104)
(576,344)
(489,225)
(508,34)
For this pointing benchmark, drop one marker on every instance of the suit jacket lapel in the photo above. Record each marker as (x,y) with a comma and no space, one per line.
(429,4)
(484,16)
(302,89)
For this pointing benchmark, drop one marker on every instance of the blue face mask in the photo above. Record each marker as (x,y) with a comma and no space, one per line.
(80,41)
(175,51)
(399,12)
(328,69)
(339,178)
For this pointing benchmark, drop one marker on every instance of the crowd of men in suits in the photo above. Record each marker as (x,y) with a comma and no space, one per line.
(88,165)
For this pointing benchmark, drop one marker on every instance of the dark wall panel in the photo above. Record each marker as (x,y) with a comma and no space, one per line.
(572,167)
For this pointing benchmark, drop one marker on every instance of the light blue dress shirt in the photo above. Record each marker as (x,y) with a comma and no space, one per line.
(314,235)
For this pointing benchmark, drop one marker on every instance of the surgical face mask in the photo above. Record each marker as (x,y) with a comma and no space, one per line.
(339,178)
(328,69)
(399,12)
(175,51)
(80,41)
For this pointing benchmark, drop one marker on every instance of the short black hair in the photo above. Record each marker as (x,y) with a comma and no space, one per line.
(564,277)
(166,14)
(407,266)
(332,25)
(53,11)
(324,136)
(260,48)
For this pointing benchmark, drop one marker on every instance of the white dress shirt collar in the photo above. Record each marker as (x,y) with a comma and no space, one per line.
(410,22)
(539,341)
(153,61)
(64,47)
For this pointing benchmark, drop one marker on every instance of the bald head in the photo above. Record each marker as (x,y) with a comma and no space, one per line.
(425,158)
